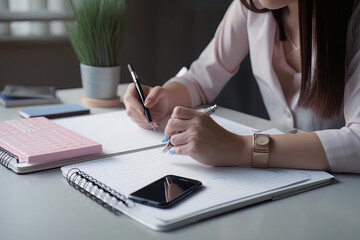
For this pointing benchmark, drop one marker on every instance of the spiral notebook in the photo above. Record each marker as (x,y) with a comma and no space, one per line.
(39,141)
(109,182)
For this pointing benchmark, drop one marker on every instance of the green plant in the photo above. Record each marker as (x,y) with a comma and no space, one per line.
(97,32)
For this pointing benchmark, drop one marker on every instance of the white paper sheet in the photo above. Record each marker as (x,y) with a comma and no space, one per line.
(115,131)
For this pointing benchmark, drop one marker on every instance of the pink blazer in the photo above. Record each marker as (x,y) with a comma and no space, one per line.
(243,32)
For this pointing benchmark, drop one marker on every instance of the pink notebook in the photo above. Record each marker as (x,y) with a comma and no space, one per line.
(39,140)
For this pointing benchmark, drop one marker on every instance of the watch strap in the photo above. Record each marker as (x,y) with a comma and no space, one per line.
(260,160)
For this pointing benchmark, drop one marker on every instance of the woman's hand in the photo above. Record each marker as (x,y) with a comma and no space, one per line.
(156,100)
(195,134)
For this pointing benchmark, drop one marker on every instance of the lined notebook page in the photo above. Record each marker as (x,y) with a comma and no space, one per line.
(129,172)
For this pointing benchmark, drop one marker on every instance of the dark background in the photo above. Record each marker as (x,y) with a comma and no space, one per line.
(161,36)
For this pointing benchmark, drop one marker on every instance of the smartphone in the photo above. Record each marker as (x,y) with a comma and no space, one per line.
(166,191)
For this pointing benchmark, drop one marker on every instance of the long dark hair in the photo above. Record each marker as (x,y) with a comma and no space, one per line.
(323,27)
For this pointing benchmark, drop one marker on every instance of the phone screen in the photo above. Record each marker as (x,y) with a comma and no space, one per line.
(165,191)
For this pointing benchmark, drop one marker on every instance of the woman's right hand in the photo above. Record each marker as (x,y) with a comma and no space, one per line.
(157,101)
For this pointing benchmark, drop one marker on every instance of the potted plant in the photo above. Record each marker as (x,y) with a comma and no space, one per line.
(96,37)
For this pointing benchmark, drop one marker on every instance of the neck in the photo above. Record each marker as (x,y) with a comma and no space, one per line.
(291,22)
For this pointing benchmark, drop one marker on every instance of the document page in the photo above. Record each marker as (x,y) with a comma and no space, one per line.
(115,131)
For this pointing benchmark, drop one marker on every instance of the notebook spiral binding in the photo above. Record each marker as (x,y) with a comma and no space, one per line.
(6,157)
(96,190)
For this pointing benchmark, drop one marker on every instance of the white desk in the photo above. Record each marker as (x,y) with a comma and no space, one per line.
(43,206)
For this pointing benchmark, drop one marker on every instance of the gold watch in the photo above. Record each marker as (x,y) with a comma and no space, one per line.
(261,150)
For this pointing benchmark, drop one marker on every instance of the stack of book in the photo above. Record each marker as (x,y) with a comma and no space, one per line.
(15,95)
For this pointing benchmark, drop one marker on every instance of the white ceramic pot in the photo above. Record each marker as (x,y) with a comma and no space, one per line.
(100,82)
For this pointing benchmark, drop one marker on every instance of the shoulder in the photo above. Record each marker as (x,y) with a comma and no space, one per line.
(239,13)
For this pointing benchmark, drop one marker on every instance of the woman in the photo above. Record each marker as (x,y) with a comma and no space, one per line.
(305,56)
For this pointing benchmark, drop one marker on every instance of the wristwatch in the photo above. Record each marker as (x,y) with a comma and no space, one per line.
(261,150)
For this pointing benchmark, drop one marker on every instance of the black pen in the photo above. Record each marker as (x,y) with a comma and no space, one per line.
(141,94)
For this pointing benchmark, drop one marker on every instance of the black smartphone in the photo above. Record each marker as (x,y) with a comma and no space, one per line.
(166,191)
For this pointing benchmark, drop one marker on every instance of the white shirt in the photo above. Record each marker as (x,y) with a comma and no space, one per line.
(243,32)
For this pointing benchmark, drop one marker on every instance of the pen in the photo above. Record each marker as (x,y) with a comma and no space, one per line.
(208,111)
(141,94)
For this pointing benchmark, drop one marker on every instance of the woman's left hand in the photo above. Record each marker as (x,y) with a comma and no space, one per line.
(197,135)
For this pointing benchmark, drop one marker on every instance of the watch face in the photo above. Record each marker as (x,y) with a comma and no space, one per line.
(262,140)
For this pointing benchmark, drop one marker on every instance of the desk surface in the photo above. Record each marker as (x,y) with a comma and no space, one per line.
(42,206)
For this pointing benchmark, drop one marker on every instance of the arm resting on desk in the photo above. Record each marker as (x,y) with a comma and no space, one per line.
(205,141)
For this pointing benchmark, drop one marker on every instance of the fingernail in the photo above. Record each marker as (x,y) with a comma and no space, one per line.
(165,139)
(172,151)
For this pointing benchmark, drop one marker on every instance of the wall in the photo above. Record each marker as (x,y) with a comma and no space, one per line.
(38,63)
(161,36)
